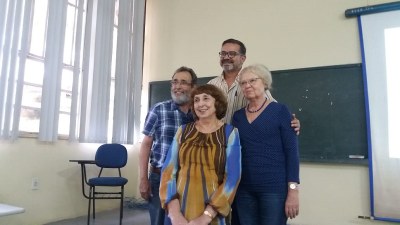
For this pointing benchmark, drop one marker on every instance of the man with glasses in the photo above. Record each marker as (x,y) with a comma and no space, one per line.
(160,126)
(231,58)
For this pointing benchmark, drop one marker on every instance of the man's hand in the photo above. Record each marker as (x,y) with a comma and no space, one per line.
(145,188)
(144,155)
(295,123)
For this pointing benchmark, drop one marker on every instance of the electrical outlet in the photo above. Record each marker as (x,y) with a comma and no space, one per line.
(35,183)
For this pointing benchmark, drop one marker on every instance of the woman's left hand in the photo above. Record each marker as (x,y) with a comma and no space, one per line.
(292,204)
(201,220)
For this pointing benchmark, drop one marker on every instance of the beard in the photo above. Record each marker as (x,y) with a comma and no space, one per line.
(180,100)
(227,65)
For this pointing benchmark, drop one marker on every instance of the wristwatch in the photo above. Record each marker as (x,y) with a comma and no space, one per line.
(293,186)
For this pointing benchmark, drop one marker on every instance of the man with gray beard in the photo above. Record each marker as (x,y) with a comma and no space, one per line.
(160,126)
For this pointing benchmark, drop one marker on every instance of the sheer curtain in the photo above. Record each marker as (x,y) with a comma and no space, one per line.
(128,79)
(11,17)
(53,65)
(76,78)
(137,68)
(97,73)
(123,79)
(90,101)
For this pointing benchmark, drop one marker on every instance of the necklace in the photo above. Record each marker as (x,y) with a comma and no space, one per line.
(250,111)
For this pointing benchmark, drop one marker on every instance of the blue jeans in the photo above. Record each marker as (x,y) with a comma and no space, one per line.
(255,208)
(234,215)
(157,213)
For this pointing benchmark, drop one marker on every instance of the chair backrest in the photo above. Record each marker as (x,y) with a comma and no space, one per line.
(111,156)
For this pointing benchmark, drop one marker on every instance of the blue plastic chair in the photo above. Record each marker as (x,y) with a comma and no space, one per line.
(108,156)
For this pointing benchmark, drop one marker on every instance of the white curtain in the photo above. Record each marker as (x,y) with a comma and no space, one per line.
(138,46)
(97,73)
(20,80)
(123,79)
(50,107)
(128,72)
(11,17)
(90,104)
(76,76)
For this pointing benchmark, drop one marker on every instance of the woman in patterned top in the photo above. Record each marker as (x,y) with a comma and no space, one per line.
(203,166)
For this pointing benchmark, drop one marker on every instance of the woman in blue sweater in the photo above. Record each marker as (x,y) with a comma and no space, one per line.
(268,192)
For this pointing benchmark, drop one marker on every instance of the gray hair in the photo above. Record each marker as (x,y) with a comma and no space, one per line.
(261,72)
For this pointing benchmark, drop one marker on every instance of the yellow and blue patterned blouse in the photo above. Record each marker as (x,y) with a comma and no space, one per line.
(202,169)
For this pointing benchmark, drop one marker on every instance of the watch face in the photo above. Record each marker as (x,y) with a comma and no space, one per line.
(293,186)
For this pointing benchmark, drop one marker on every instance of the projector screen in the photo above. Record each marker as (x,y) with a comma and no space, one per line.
(380,40)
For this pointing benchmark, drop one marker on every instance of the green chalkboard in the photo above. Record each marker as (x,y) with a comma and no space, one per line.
(329,101)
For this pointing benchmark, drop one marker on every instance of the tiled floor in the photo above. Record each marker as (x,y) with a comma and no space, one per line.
(131,217)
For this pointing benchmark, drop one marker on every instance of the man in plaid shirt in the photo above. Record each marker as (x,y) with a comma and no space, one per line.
(160,126)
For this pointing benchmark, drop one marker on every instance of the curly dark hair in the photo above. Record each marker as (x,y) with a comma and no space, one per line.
(221,102)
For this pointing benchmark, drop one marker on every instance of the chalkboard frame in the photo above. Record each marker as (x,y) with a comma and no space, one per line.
(291,87)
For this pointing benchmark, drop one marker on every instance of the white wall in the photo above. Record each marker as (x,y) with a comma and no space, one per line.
(59,195)
(284,34)
(281,34)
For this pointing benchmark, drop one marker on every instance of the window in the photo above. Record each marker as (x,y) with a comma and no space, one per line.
(71,61)
(34,68)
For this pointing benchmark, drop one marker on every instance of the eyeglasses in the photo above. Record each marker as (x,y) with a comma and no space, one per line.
(251,82)
(182,83)
(230,54)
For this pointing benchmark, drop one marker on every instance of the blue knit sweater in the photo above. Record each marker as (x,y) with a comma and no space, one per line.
(270,156)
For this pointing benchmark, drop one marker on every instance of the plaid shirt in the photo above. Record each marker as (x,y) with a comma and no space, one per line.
(162,122)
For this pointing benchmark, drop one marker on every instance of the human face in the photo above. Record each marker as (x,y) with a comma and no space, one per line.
(252,86)
(204,106)
(181,86)
(234,63)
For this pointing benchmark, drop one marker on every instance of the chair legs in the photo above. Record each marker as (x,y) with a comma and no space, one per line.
(90,201)
(121,207)
(94,203)
(92,197)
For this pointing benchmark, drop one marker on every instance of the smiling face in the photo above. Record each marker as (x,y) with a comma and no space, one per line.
(229,62)
(181,86)
(204,106)
(201,98)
